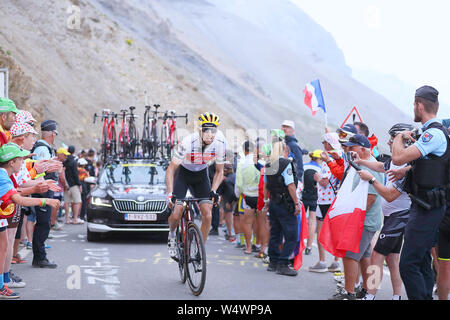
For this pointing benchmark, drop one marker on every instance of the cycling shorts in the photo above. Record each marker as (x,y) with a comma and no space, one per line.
(321,214)
(390,238)
(196,182)
(250,203)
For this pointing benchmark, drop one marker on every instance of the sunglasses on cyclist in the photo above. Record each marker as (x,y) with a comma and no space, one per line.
(209,130)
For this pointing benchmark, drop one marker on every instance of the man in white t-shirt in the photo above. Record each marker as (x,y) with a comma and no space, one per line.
(395,206)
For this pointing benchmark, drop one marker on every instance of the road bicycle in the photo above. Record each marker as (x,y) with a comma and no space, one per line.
(124,136)
(169,138)
(150,141)
(128,137)
(108,140)
(133,133)
(191,254)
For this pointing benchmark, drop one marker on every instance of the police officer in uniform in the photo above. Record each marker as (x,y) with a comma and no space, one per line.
(280,179)
(426,184)
(43,150)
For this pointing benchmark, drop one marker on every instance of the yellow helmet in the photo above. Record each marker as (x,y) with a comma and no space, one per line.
(208,119)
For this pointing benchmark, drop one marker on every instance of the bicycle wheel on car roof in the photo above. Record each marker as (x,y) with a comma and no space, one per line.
(195,259)
(134,138)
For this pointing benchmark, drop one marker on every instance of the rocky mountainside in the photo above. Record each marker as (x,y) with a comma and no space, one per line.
(246,60)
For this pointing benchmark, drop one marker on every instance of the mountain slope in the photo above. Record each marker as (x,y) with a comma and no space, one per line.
(258,65)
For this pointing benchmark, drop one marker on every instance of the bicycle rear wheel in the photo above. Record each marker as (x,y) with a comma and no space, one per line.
(195,259)
(181,255)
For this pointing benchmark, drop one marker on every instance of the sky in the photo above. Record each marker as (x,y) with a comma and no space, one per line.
(408,39)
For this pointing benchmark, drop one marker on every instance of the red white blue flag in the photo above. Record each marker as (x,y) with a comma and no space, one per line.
(302,235)
(313,97)
(343,225)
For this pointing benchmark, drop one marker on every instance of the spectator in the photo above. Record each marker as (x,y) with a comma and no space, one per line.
(372,223)
(395,205)
(228,200)
(336,163)
(215,219)
(364,130)
(11,161)
(247,180)
(83,174)
(309,194)
(288,127)
(73,189)
(326,192)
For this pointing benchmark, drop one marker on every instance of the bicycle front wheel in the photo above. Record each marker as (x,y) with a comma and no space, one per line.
(195,259)
(181,255)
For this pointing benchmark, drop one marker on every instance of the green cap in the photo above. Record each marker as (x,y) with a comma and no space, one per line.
(10,151)
(278,133)
(7,105)
(266,149)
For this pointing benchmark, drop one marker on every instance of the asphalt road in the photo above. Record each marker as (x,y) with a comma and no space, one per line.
(137,267)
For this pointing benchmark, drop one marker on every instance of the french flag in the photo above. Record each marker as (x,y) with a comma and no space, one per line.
(343,225)
(303,234)
(313,97)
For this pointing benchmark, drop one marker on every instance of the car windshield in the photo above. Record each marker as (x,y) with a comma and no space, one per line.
(135,173)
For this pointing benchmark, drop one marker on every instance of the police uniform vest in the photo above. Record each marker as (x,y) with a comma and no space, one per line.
(275,182)
(50,175)
(429,178)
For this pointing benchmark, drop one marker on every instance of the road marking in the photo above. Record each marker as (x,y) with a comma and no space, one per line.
(135,260)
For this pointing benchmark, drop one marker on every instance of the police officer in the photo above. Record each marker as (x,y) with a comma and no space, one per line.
(426,184)
(43,150)
(281,181)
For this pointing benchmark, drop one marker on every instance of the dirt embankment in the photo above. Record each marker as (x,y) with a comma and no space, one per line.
(67,74)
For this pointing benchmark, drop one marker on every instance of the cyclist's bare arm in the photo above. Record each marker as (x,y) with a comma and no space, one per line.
(218,177)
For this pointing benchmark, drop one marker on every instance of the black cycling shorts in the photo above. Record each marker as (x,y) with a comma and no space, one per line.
(391,235)
(197,182)
(310,205)
(250,202)
(322,213)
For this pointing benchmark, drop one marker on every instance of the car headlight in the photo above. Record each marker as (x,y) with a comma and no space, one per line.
(96,201)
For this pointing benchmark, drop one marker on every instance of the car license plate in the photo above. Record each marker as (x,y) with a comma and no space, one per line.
(140,217)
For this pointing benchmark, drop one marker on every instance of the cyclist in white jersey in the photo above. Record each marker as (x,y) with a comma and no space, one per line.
(188,170)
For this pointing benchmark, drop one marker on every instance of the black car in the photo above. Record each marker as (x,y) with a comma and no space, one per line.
(129,196)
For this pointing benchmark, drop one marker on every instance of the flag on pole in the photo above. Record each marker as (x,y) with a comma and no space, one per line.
(343,225)
(313,97)
(302,235)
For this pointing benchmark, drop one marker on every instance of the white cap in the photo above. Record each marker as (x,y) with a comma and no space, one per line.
(288,123)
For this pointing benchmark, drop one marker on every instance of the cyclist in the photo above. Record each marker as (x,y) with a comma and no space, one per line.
(188,170)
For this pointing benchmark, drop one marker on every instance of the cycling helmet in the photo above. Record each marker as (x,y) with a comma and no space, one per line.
(399,127)
(82,162)
(208,119)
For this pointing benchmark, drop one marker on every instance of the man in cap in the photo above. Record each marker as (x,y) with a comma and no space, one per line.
(372,223)
(426,183)
(8,111)
(43,150)
(288,127)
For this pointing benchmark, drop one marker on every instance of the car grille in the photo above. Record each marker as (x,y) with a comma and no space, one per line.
(126,206)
